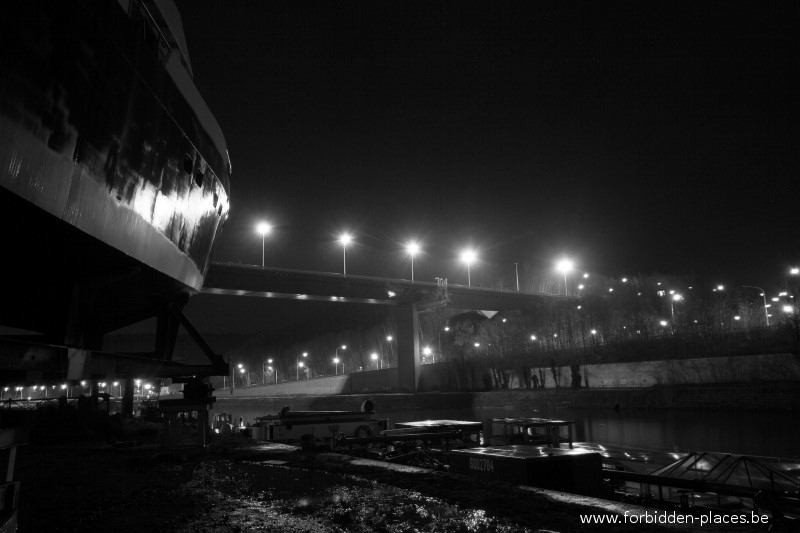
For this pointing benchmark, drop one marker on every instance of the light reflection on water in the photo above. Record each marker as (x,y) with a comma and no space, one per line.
(740,432)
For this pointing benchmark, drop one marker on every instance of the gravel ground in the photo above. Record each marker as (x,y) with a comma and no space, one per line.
(240,486)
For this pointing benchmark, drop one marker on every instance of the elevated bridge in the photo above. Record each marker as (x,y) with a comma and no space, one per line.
(407,297)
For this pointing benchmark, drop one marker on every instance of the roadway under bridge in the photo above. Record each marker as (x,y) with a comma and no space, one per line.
(26,360)
(406,297)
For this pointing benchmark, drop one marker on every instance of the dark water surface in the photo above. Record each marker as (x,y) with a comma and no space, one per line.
(740,432)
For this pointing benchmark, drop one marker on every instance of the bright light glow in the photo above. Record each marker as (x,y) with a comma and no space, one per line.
(426,350)
(389,338)
(345,239)
(447,328)
(477,344)
(83,383)
(264,228)
(663,322)
(580,287)
(305,354)
(737,317)
(344,346)
(720,287)
(242,371)
(412,248)
(301,364)
(586,275)
(564,265)
(468,256)
(624,280)
(776,299)
(594,332)
(794,271)
(374,356)
(677,297)
(116,383)
(335,360)
(240,365)
(269,360)
(788,309)
(533,337)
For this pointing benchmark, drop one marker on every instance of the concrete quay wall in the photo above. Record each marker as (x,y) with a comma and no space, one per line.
(751,370)
(770,397)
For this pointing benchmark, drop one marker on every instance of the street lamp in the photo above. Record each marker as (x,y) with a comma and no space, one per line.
(764,297)
(378,362)
(427,351)
(413,249)
(263,228)
(336,355)
(468,256)
(336,366)
(299,365)
(564,266)
(516,272)
(344,240)
(271,369)
(675,298)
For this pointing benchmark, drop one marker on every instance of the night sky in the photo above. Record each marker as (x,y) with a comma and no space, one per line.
(634,137)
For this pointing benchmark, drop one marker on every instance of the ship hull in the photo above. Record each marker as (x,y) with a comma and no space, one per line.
(113,178)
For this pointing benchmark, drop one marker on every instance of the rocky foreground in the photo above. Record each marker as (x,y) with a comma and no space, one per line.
(239,485)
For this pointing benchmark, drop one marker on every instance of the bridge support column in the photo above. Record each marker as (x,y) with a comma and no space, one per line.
(407,321)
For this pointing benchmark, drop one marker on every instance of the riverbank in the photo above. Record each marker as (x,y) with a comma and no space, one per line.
(239,485)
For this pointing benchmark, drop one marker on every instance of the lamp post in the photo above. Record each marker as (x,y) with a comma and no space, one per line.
(516,272)
(675,298)
(378,362)
(336,355)
(468,256)
(336,366)
(564,266)
(764,297)
(344,240)
(263,228)
(299,364)
(413,249)
(273,369)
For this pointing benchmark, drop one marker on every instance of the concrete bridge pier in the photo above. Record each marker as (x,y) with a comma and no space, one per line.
(407,320)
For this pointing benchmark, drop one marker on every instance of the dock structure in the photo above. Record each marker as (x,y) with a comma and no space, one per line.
(527,430)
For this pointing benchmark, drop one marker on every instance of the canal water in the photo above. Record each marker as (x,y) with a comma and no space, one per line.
(739,432)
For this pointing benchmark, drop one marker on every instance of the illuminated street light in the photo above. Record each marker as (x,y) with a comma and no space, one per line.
(336,355)
(794,271)
(299,364)
(344,240)
(336,366)
(564,266)
(413,249)
(263,228)
(427,351)
(788,309)
(764,297)
(378,362)
(468,256)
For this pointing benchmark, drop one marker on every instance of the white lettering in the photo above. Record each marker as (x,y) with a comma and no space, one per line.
(481,463)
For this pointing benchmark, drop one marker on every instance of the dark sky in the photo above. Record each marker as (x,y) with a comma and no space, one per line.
(635,137)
